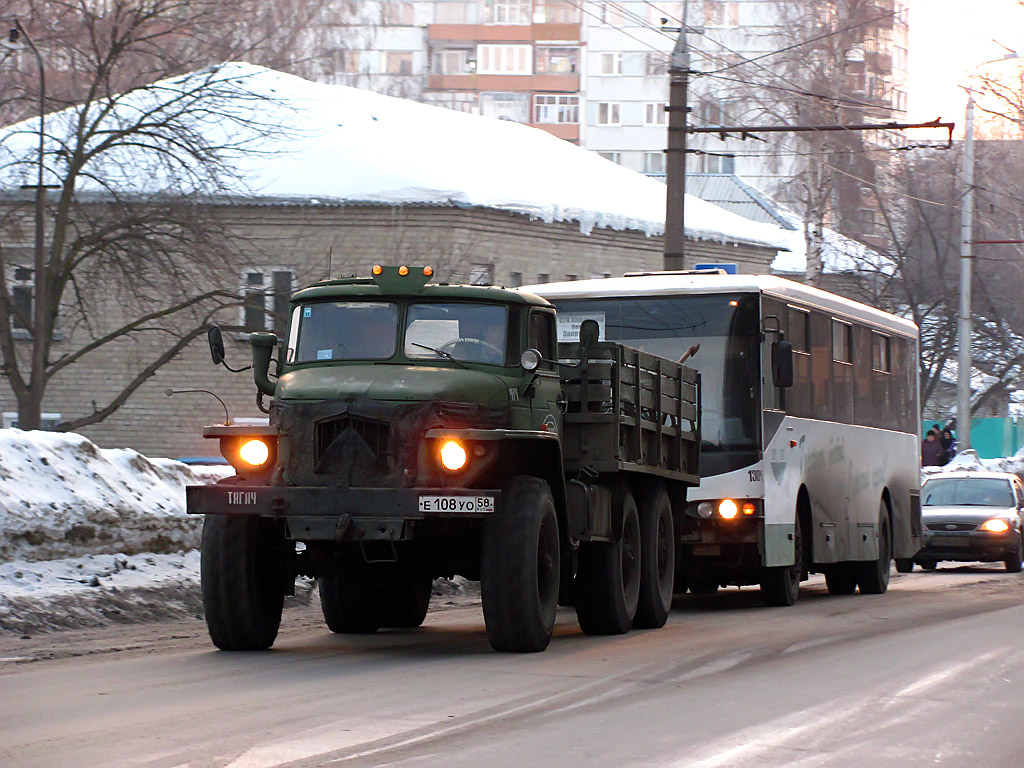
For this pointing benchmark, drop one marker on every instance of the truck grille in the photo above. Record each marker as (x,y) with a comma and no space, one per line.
(375,433)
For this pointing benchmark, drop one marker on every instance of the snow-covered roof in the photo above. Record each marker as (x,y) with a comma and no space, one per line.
(333,144)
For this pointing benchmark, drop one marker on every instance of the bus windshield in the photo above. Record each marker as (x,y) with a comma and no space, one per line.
(727,328)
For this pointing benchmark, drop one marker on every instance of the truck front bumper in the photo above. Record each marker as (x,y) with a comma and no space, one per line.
(343,514)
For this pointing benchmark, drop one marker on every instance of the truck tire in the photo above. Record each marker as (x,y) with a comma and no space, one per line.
(780,585)
(840,579)
(657,561)
(405,599)
(873,575)
(520,568)
(241,558)
(351,602)
(608,579)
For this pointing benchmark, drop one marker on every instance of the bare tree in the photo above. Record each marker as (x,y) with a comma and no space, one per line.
(143,140)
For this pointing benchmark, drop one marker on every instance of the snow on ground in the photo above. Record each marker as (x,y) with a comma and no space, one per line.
(310,143)
(61,496)
(968,460)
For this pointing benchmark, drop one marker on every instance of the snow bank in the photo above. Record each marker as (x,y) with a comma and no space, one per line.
(61,496)
(331,144)
(968,460)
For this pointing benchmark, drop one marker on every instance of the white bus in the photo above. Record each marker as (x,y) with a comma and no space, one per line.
(810,460)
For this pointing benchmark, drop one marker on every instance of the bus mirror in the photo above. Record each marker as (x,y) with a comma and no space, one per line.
(216,339)
(782,364)
(590,331)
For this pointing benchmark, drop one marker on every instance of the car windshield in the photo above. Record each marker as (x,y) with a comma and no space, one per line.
(470,333)
(343,330)
(966,492)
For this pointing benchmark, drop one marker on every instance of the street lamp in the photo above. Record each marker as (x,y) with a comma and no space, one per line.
(963,379)
(15,35)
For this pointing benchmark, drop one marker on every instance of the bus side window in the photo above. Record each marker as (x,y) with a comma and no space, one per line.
(542,335)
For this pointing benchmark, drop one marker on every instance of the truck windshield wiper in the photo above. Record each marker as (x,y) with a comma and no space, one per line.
(439,353)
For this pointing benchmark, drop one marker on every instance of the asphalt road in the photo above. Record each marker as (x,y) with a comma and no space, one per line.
(930,674)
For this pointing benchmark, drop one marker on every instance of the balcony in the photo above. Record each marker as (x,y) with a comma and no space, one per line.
(547,83)
(504,33)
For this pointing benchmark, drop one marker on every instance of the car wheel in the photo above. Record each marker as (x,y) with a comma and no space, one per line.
(1015,562)
(904,564)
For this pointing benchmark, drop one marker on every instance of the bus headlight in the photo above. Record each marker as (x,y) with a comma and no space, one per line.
(728,509)
(254,452)
(453,456)
(704,509)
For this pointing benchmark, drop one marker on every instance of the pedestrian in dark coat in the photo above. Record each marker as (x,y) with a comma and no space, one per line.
(948,444)
(932,452)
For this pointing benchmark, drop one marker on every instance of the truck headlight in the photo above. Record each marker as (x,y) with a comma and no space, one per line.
(995,525)
(453,456)
(254,452)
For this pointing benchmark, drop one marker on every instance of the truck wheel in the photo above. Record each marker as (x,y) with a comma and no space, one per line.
(873,575)
(243,589)
(519,568)
(657,559)
(780,585)
(608,580)
(405,600)
(351,602)
(904,564)
(840,579)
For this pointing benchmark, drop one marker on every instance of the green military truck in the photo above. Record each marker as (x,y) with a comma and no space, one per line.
(419,431)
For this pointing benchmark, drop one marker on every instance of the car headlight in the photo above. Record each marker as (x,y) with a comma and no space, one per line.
(453,456)
(995,525)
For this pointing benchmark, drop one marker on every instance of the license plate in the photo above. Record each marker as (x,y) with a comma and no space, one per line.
(949,541)
(457,504)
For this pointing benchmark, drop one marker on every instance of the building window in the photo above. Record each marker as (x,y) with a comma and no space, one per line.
(452,62)
(710,112)
(611,14)
(656,64)
(451,13)
(655,114)
(672,12)
(504,59)
(555,12)
(22,291)
(560,108)
(611,64)
(481,274)
(842,342)
(266,292)
(458,100)
(543,277)
(654,162)
(398,13)
(613,156)
(718,13)
(881,352)
(47,421)
(508,12)
(506,106)
(398,62)
(551,60)
(608,113)
(715,164)
(515,279)
(571,278)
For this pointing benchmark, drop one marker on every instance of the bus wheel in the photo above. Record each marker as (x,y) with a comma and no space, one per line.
(519,568)
(608,580)
(780,585)
(840,579)
(904,564)
(657,559)
(243,590)
(873,575)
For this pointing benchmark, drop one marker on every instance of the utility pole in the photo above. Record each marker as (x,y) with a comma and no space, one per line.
(675,163)
(963,379)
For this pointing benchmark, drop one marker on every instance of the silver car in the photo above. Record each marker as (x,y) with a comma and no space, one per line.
(971,516)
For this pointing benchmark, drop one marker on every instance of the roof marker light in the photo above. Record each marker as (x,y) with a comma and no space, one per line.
(428,271)
(403,271)
(377,269)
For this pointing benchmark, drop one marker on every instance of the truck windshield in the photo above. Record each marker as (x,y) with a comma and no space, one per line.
(725,326)
(471,333)
(343,330)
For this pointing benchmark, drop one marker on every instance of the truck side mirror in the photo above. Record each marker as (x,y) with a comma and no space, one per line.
(216,339)
(263,344)
(590,332)
(782,364)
